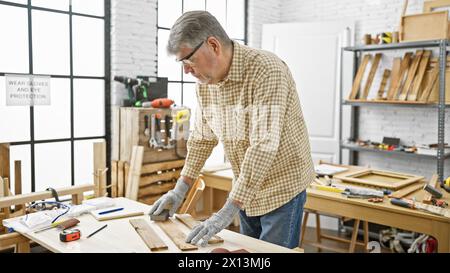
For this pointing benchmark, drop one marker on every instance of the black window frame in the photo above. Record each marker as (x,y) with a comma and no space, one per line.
(107,79)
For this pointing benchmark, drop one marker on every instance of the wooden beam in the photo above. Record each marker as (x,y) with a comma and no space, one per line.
(99,164)
(134,175)
(34,196)
(406,190)
(383,83)
(148,235)
(404,67)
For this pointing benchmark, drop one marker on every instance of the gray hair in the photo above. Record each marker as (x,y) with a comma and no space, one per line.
(192,28)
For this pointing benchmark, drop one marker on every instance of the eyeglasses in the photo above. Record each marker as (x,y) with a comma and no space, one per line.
(187,57)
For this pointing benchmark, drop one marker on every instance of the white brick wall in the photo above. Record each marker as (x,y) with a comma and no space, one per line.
(411,125)
(133,42)
(133,52)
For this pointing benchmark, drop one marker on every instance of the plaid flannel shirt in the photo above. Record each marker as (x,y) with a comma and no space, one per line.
(255,112)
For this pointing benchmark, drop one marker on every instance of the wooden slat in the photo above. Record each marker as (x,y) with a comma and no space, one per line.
(120,178)
(404,67)
(413,95)
(126,171)
(2,187)
(156,188)
(148,235)
(372,72)
(134,175)
(431,83)
(34,196)
(165,176)
(190,222)
(433,182)
(114,178)
(359,75)
(406,190)
(155,167)
(411,74)
(149,200)
(395,75)
(383,83)
(178,237)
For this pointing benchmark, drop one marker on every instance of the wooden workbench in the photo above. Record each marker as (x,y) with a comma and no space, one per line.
(120,236)
(334,203)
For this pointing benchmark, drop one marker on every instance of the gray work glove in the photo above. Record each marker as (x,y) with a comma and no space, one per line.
(214,224)
(171,200)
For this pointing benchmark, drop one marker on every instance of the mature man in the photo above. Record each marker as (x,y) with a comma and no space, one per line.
(248,100)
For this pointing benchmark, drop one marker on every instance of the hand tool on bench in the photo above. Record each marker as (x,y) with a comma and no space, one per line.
(158,136)
(60,225)
(152,141)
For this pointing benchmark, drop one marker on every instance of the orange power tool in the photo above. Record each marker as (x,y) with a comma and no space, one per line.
(162,103)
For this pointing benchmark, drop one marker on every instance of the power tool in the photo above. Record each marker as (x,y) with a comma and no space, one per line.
(137,90)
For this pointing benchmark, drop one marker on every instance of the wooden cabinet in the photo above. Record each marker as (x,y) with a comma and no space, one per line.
(133,131)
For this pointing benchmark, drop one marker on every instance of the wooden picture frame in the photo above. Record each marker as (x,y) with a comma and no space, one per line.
(380,179)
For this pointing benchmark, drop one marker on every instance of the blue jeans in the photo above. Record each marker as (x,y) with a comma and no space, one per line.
(281,226)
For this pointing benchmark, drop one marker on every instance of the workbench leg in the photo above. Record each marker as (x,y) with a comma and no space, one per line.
(303,231)
(442,235)
(354,236)
(366,235)
(23,247)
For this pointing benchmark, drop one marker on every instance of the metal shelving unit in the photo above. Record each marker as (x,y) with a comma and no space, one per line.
(355,105)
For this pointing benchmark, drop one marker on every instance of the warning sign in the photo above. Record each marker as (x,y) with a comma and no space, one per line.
(27,90)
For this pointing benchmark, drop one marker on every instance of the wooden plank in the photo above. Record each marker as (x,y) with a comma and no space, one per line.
(155,167)
(413,95)
(126,168)
(148,235)
(113,178)
(433,182)
(404,67)
(4,160)
(149,200)
(383,83)
(134,175)
(411,74)
(372,72)
(2,187)
(432,81)
(190,222)
(424,26)
(359,75)
(120,178)
(156,188)
(178,237)
(165,176)
(395,75)
(406,190)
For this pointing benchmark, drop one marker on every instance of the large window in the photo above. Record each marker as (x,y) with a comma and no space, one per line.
(67,40)
(231,14)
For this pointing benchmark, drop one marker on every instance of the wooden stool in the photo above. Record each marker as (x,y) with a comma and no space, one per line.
(353,242)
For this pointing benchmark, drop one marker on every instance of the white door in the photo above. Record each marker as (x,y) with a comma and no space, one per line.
(313,53)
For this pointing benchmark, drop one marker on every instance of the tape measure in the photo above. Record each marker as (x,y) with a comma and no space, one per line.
(70,235)
(447,182)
